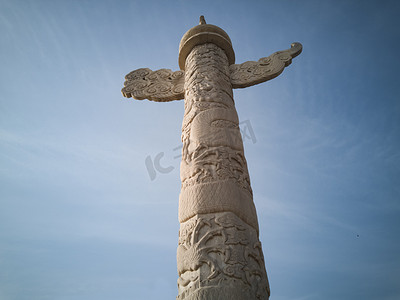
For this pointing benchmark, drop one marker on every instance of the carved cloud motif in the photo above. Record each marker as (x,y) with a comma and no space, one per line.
(254,72)
(162,85)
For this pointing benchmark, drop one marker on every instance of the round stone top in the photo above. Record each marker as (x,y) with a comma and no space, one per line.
(202,34)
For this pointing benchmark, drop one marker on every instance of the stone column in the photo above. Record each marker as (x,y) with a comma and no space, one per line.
(219,253)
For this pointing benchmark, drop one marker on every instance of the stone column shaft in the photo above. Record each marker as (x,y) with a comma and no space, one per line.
(219,254)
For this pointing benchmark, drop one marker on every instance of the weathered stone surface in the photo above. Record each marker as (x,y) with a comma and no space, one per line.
(219,254)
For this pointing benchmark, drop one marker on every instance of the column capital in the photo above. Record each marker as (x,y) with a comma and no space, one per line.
(202,34)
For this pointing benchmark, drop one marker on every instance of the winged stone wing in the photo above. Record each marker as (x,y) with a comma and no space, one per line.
(253,72)
(162,85)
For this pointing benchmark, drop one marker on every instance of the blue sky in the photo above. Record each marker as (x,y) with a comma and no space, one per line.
(82,218)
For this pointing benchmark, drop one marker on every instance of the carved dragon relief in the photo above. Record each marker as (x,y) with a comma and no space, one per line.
(212,145)
(220,247)
(210,132)
(219,254)
(165,85)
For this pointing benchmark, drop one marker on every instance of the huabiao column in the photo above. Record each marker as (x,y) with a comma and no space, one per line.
(219,254)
